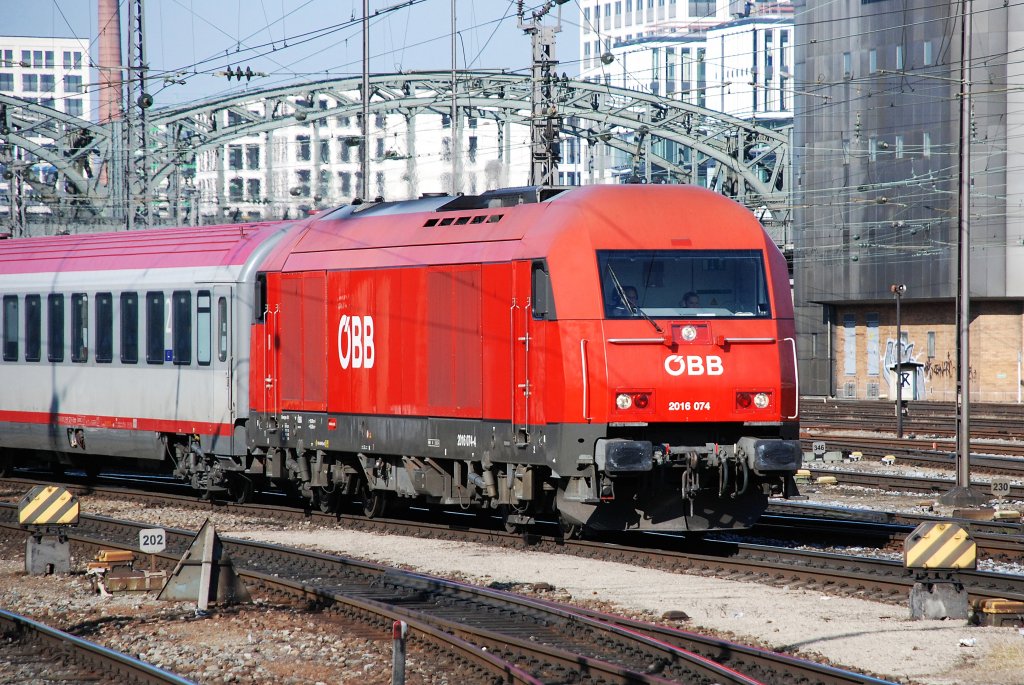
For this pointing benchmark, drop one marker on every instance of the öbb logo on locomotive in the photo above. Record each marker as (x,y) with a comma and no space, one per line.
(539,358)
(355,342)
(693,365)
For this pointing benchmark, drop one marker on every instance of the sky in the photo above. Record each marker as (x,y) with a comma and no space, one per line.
(188,41)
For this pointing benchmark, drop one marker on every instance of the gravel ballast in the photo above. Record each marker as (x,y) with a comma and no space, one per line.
(264,644)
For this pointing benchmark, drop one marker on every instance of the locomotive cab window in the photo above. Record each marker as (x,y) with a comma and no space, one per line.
(55,328)
(79,327)
(542,300)
(259,307)
(690,284)
(33,328)
(155,328)
(129,328)
(181,327)
(10,328)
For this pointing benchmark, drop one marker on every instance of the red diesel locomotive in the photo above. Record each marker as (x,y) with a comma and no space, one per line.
(622,357)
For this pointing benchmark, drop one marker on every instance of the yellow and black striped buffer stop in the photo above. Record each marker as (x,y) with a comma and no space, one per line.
(48,505)
(940,545)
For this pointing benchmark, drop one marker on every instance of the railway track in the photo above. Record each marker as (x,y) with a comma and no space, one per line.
(849,575)
(933,418)
(31,652)
(992,458)
(997,542)
(523,640)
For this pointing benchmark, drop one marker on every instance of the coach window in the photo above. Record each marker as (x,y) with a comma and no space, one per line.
(79,327)
(155,328)
(129,328)
(33,328)
(181,328)
(104,328)
(204,334)
(222,328)
(55,328)
(10,328)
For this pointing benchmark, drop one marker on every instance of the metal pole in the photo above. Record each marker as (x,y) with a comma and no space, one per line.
(898,290)
(364,161)
(454,114)
(963,249)
(399,631)
(962,495)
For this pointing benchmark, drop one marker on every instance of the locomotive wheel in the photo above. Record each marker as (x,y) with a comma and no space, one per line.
(240,489)
(374,502)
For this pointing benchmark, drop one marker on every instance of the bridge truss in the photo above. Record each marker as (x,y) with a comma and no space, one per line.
(682,142)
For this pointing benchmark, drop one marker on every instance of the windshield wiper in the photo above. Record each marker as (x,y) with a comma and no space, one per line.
(634,311)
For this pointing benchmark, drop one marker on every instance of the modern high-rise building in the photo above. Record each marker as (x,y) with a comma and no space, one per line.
(876,174)
(53,72)
(731,57)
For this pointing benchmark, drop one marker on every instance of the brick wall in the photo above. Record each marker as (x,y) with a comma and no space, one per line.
(929,332)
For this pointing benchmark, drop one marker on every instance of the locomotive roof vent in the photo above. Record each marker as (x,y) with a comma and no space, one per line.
(503,197)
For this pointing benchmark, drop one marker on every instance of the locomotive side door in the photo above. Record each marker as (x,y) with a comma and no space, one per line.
(527,345)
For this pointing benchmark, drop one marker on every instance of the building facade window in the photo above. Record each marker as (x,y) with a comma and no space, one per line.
(303,152)
(849,345)
(252,156)
(871,340)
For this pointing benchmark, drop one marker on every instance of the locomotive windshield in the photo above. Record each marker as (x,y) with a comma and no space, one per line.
(663,284)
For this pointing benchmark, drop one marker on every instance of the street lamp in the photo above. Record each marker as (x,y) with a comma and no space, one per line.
(898,289)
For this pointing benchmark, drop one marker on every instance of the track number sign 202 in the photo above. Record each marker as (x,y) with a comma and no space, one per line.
(152,540)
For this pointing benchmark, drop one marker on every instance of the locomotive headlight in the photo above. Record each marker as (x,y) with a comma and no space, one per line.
(689,333)
(623,401)
(761,400)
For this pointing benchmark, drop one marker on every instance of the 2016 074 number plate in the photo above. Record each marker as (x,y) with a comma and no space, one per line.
(698,405)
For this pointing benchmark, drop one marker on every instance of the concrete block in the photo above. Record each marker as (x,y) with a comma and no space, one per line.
(833,457)
(938,600)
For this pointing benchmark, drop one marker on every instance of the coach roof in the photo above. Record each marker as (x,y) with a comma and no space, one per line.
(160,248)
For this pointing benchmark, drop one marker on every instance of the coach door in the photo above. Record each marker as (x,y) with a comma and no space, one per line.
(215,325)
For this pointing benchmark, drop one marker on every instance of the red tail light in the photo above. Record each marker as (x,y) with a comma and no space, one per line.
(743,400)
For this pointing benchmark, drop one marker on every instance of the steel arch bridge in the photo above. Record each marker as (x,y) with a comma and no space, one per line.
(730,155)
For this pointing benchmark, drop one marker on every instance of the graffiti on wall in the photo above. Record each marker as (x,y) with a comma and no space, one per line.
(911,379)
(945,368)
(915,379)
